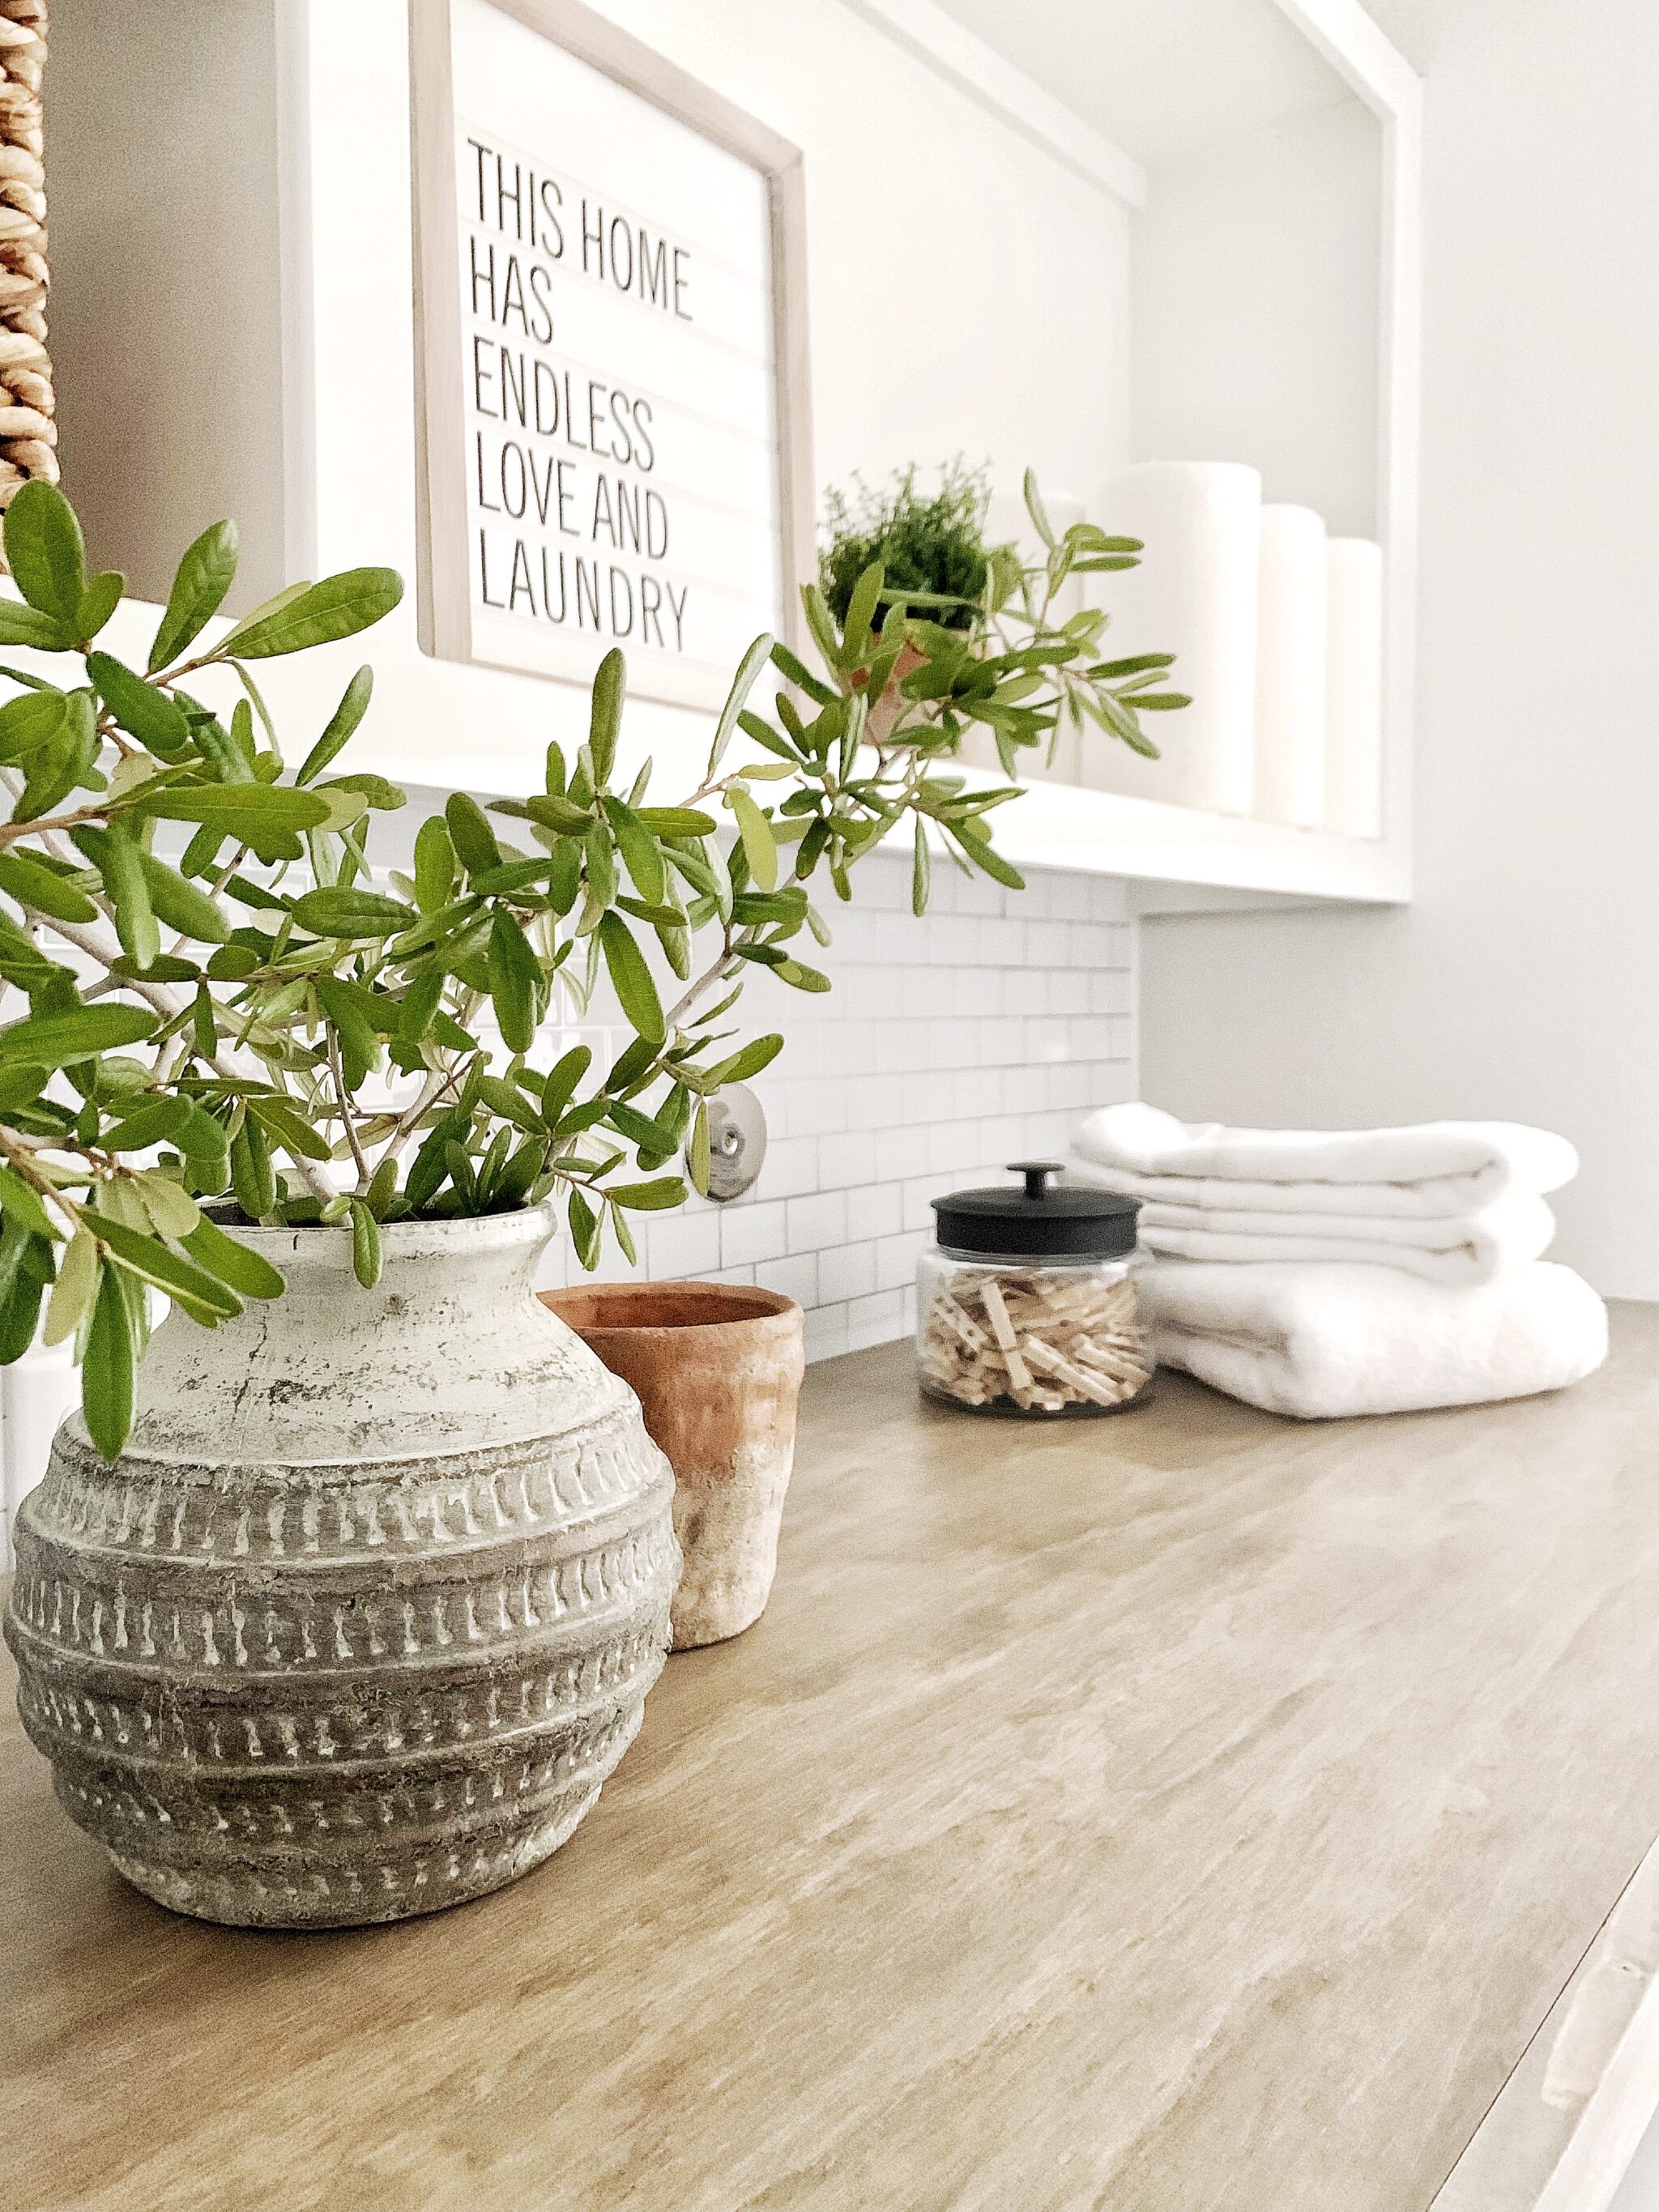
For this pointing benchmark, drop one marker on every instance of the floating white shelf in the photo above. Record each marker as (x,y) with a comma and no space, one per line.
(1169,850)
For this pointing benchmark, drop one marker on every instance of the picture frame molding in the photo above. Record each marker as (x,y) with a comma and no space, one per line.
(443,603)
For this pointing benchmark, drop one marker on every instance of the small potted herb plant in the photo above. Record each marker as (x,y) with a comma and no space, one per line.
(942,632)
(340,1600)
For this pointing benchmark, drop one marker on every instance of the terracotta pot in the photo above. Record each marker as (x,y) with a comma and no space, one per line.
(367,1610)
(885,711)
(717,1370)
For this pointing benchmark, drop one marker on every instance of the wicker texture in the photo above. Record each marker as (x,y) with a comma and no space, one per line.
(28,434)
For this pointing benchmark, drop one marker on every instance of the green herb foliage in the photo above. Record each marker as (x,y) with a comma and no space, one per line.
(931,544)
(213,994)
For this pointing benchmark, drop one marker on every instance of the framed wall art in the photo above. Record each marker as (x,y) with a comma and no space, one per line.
(611,346)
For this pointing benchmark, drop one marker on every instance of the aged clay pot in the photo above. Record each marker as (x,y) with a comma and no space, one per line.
(367,1610)
(885,711)
(718,1369)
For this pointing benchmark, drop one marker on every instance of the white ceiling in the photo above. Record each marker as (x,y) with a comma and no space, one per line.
(1416,26)
(1160,77)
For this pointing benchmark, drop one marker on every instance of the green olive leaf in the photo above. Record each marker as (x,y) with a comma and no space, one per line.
(204,575)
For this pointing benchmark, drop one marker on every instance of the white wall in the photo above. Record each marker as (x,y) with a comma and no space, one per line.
(1524,981)
(968,292)
(1254,328)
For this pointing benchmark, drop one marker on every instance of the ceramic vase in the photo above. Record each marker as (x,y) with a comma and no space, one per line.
(367,1611)
(717,1370)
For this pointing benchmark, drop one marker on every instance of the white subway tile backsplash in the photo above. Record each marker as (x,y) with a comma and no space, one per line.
(976,1092)
(749,1233)
(1025,1090)
(1049,943)
(954,1145)
(814,1223)
(792,1165)
(814,1108)
(848,1270)
(826,1331)
(876,1211)
(1069,1088)
(896,1257)
(796,1279)
(1001,1041)
(1047,1039)
(852,1049)
(875,1319)
(919,1194)
(876,1102)
(950,1044)
(1068,898)
(1088,945)
(919,995)
(684,1244)
(925,1098)
(901,1152)
(847,1159)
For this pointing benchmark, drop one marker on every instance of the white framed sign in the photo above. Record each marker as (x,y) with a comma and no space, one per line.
(611,349)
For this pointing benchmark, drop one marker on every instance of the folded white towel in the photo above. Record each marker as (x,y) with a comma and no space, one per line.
(1469,1247)
(1439,1169)
(1323,1342)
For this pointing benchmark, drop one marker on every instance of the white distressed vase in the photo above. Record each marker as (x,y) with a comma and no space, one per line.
(367,1611)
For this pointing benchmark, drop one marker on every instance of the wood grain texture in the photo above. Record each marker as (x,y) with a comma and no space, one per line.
(1192,1810)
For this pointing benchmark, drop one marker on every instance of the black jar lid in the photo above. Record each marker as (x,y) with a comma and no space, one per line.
(1076,1222)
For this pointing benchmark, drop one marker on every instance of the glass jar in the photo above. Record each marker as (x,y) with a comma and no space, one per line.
(1027,1303)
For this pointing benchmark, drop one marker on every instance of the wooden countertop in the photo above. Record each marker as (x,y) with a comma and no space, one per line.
(1189,1810)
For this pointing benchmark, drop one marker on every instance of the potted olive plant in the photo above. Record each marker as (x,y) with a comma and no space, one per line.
(343,1604)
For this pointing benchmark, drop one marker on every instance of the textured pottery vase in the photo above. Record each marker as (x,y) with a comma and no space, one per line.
(718,1370)
(367,1611)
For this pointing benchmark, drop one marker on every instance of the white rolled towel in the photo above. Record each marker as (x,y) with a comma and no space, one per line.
(1327,1342)
(1434,1170)
(1451,1249)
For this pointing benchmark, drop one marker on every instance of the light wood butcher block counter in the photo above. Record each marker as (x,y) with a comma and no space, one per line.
(1187,1810)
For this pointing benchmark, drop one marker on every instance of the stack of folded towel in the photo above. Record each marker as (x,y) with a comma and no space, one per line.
(1325,1273)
